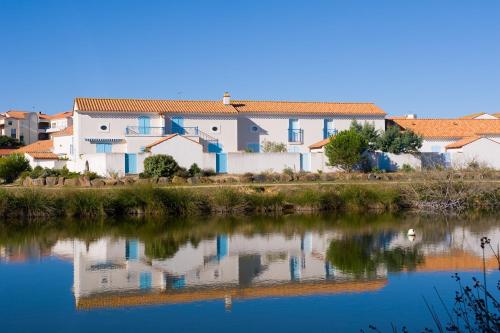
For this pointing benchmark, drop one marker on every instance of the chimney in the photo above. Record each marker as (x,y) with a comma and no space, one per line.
(226,99)
(411,116)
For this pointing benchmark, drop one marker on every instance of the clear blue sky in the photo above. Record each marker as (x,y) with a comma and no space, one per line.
(434,58)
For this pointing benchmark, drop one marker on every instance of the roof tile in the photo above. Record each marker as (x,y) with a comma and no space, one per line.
(450,128)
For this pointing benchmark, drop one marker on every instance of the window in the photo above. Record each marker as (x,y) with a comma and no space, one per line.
(13,133)
(436,149)
(21,138)
(9,123)
(254,128)
(53,124)
(103,127)
(328,129)
(215,129)
(103,147)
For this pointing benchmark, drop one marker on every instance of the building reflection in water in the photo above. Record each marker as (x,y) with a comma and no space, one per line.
(115,272)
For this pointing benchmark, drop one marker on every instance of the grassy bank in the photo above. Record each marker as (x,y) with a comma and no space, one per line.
(154,201)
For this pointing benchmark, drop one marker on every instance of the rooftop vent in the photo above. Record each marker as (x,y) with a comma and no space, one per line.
(411,116)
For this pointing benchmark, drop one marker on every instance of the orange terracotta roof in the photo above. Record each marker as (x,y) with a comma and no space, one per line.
(186,296)
(319,144)
(210,107)
(450,128)
(7,151)
(463,142)
(43,116)
(16,114)
(44,156)
(42,146)
(473,115)
(284,107)
(60,115)
(155,106)
(65,132)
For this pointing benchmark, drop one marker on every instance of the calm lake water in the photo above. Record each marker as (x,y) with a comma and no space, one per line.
(260,274)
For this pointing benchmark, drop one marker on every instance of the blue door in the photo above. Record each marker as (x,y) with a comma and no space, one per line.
(132,249)
(131,163)
(144,125)
(305,162)
(328,129)
(145,280)
(221,163)
(293,130)
(178,125)
(222,246)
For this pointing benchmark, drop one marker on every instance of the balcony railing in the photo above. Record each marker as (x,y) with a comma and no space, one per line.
(295,135)
(146,131)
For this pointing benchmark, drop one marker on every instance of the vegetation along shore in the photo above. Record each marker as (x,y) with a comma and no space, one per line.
(451,195)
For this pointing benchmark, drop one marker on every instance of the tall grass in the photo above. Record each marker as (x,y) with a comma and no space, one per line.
(154,201)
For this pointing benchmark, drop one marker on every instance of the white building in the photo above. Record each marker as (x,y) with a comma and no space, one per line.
(21,125)
(113,134)
(60,121)
(445,139)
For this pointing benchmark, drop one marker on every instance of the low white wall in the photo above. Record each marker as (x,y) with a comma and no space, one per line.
(209,161)
(393,162)
(320,162)
(101,163)
(239,163)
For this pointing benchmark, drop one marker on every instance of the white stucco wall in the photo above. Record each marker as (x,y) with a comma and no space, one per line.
(183,150)
(227,133)
(62,145)
(428,144)
(483,151)
(101,163)
(320,162)
(51,164)
(239,163)
(275,128)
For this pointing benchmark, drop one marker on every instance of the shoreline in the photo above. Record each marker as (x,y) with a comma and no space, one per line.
(242,199)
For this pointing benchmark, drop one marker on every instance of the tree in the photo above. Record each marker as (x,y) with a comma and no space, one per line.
(273,147)
(8,142)
(160,166)
(345,149)
(399,142)
(12,166)
(368,132)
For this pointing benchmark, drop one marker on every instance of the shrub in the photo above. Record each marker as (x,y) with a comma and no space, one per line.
(273,147)
(407,168)
(208,172)
(8,142)
(289,172)
(12,166)
(194,170)
(160,166)
(368,132)
(344,150)
(91,175)
(182,172)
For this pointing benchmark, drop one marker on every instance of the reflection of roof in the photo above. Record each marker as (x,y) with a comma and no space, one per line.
(65,132)
(187,296)
(319,144)
(210,107)
(450,128)
(456,260)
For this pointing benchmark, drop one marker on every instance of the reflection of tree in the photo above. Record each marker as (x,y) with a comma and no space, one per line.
(160,248)
(352,255)
(361,255)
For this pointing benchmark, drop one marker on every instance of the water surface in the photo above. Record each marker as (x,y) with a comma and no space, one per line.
(286,274)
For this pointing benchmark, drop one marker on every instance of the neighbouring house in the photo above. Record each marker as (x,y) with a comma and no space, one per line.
(482,115)
(113,134)
(475,149)
(60,121)
(53,153)
(21,125)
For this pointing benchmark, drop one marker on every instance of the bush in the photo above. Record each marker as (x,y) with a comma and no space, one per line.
(12,166)
(208,172)
(407,168)
(194,170)
(273,147)
(8,142)
(344,150)
(182,172)
(160,166)
(397,142)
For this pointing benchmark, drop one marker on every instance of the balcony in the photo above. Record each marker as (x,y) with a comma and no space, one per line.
(145,131)
(295,135)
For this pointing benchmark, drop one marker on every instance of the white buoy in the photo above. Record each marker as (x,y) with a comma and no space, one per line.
(411,232)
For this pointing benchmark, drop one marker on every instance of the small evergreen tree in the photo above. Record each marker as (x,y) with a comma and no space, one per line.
(345,149)
(160,166)
(399,142)
(368,132)
(8,142)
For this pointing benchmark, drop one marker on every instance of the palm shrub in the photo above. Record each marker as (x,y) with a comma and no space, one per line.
(160,166)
